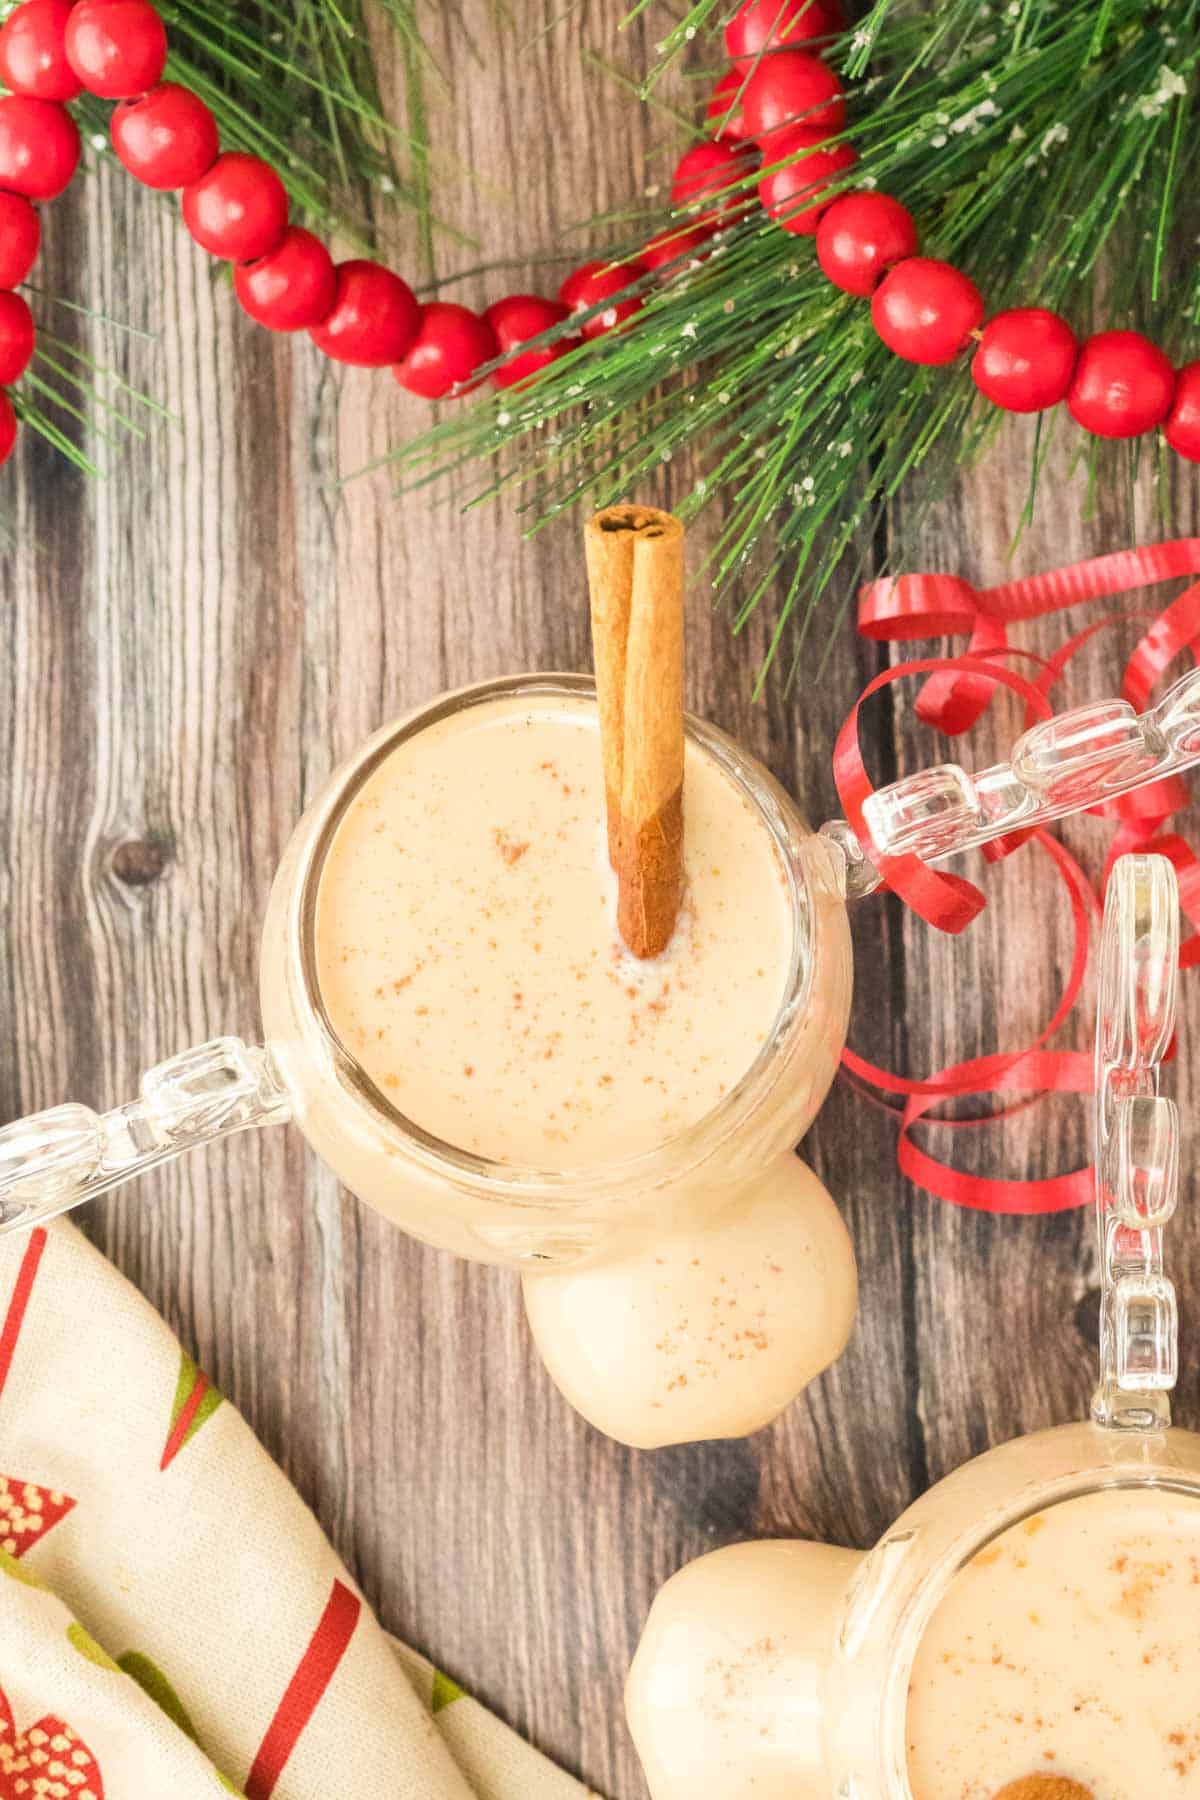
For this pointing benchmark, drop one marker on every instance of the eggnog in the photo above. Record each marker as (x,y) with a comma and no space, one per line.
(1067,1648)
(468,957)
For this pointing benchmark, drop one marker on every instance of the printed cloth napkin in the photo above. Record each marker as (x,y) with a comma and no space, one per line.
(173,1623)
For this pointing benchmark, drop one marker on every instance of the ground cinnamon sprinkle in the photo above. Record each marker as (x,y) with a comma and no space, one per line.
(510,850)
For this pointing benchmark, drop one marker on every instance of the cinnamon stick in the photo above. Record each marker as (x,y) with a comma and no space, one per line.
(635,575)
(1044,1787)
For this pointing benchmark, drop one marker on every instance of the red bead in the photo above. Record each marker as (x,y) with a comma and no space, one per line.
(452,343)
(514,320)
(16,338)
(118,48)
(39,147)
(1123,385)
(292,288)
(1182,430)
(8,428)
(859,239)
(792,194)
(168,139)
(239,209)
(1025,359)
(674,244)
(723,115)
(20,239)
(790,87)
(375,317)
(760,25)
(706,172)
(33,51)
(926,310)
(594,282)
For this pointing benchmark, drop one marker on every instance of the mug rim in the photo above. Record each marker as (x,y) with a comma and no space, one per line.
(1094,1459)
(683,1150)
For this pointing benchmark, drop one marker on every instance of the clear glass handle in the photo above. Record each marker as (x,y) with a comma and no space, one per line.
(1137,1145)
(58,1159)
(1064,765)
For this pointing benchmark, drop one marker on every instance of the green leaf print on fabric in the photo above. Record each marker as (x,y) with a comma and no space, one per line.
(195,1402)
(153,1682)
(10,1566)
(445,1692)
(85,1643)
(156,1686)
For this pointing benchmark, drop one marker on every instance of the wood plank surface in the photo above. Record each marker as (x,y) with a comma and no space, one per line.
(185,651)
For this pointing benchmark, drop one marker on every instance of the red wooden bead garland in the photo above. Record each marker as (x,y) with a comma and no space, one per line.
(118,48)
(8,428)
(1123,385)
(236,206)
(239,209)
(514,320)
(708,172)
(33,51)
(16,338)
(20,239)
(761,25)
(926,310)
(791,87)
(374,319)
(1025,359)
(794,194)
(293,287)
(1182,429)
(167,138)
(667,247)
(594,282)
(451,344)
(723,115)
(859,239)
(39,147)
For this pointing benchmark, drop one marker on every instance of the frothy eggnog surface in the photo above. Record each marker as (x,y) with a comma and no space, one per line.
(468,958)
(1069,1647)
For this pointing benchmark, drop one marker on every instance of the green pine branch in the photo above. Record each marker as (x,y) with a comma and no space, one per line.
(293,81)
(1047,146)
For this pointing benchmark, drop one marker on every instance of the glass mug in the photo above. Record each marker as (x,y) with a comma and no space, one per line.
(793,1671)
(610,1254)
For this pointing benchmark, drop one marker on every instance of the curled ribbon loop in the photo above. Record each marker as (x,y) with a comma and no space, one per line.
(955,694)
(902,608)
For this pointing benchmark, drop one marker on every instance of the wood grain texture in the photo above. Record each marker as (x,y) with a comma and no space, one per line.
(186,650)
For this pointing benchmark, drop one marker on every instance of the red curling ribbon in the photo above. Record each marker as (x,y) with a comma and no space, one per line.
(946,901)
(1031,1070)
(902,608)
(954,696)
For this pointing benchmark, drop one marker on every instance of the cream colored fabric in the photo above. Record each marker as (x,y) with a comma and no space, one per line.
(173,1622)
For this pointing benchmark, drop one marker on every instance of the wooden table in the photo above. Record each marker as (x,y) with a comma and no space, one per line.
(189,647)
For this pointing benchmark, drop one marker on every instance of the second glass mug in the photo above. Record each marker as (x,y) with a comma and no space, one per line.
(606,1251)
(783,1670)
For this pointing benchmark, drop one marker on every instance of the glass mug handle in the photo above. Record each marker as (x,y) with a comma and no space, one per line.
(1137,1145)
(56,1160)
(1067,764)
